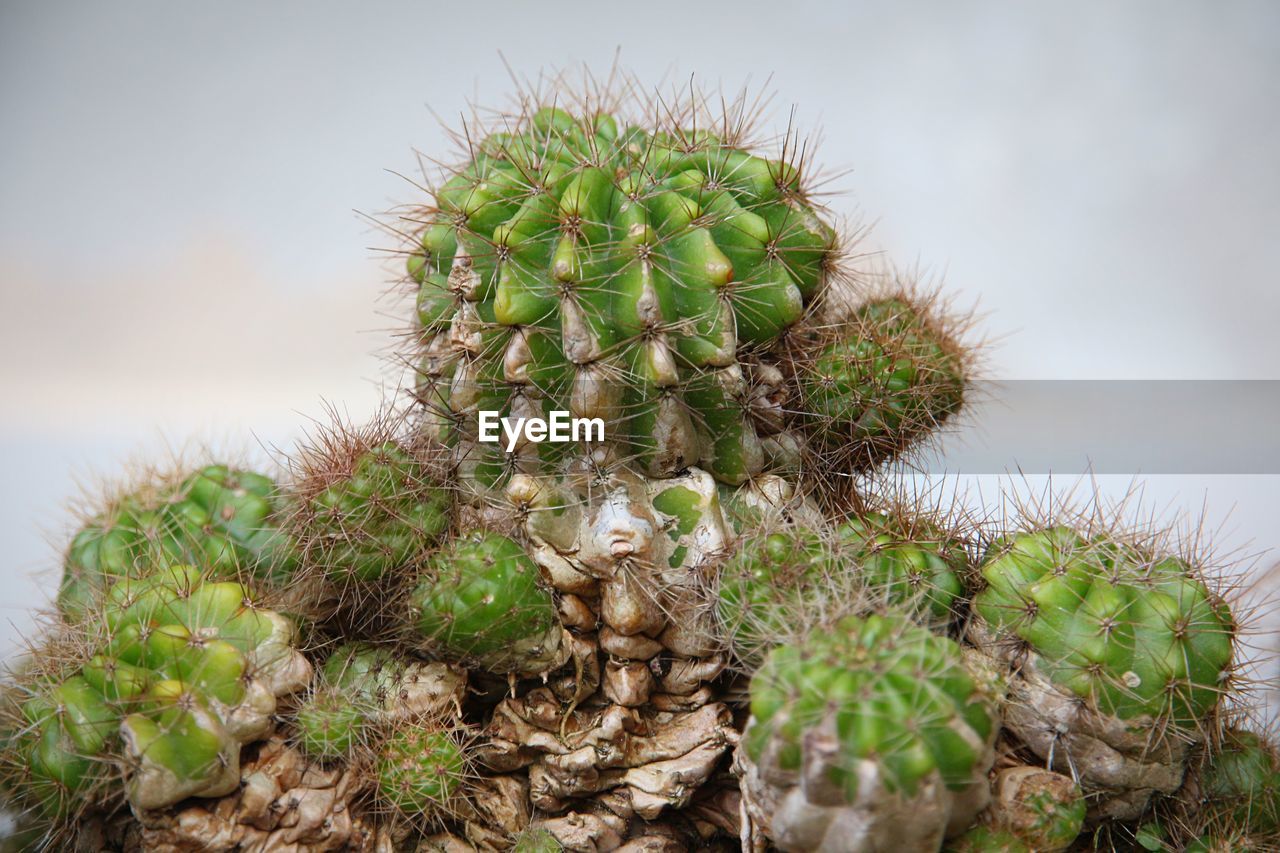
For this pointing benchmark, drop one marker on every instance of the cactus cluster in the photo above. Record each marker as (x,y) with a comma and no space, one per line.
(717,626)
(176,674)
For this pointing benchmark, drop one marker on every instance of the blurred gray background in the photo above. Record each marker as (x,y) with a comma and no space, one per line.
(181,266)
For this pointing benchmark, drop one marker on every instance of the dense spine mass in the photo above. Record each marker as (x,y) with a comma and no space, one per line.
(723,626)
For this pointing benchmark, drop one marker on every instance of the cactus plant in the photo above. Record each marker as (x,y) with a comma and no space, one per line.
(869,734)
(645,276)
(707,628)
(419,770)
(1044,809)
(985,839)
(363,688)
(1124,654)
(177,673)
(873,385)
(366,505)
(481,601)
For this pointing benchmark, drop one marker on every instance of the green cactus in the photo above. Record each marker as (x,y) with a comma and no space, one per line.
(366,514)
(778,582)
(536,840)
(889,377)
(481,600)
(330,726)
(1045,809)
(1117,656)
(912,565)
(185,671)
(362,687)
(577,264)
(1135,636)
(420,770)
(881,720)
(1241,783)
(223,518)
(770,583)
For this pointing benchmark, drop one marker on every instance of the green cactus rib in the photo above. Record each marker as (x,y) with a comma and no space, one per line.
(384,515)
(1138,637)
(223,518)
(481,600)
(184,674)
(888,379)
(894,694)
(419,770)
(576,264)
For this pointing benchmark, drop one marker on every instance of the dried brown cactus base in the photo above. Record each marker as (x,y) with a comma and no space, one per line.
(608,822)
(285,804)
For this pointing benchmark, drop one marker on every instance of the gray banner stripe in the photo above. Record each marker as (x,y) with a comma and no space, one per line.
(1117,427)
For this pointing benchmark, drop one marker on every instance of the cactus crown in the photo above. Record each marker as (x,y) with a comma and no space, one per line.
(581,263)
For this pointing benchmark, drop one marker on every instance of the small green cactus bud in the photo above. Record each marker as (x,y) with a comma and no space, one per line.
(480,599)
(329,726)
(880,382)
(770,583)
(420,770)
(1241,783)
(368,510)
(987,839)
(362,688)
(536,840)
(1043,808)
(906,565)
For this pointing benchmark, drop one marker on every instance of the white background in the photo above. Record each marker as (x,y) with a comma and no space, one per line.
(180,263)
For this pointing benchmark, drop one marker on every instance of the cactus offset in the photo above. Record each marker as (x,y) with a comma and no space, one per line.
(868,734)
(178,673)
(367,506)
(481,601)
(1125,652)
